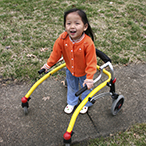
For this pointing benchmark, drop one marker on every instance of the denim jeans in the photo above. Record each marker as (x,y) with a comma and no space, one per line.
(73,87)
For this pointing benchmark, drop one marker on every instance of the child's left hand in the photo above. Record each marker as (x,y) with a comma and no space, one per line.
(89,83)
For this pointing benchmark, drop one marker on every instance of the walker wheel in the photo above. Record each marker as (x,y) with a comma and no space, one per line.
(25,110)
(117,105)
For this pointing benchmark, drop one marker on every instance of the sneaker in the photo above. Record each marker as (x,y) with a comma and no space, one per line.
(68,109)
(84,110)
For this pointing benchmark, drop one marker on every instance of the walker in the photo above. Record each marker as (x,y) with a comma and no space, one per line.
(117,100)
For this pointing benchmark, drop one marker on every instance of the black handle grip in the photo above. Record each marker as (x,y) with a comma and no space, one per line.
(102,56)
(41,71)
(81,90)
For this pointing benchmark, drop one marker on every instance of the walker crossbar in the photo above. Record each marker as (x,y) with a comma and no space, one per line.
(100,96)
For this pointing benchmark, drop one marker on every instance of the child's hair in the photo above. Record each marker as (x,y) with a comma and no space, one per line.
(83,16)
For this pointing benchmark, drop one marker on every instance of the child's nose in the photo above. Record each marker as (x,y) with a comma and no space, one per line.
(72,25)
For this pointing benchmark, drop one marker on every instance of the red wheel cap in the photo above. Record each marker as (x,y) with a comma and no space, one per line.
(24,99)
(67,135)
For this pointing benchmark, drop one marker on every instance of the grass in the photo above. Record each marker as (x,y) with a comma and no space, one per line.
(29,28)
(134,136)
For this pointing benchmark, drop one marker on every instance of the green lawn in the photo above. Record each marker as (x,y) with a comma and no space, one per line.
(29,28)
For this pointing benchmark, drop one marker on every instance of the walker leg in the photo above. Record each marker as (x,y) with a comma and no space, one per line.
(67,138)
(25,104)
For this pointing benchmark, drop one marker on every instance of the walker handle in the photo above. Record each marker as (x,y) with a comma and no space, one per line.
(81,90)
(41,71)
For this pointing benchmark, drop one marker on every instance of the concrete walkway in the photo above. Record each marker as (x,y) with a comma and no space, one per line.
(46,122)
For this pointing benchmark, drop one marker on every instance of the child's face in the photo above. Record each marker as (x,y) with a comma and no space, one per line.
(74,26)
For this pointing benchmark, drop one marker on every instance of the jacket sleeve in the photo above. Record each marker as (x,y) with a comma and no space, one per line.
(55,54)
(91,61)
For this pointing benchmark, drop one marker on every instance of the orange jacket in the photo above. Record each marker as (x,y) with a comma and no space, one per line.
(80,57)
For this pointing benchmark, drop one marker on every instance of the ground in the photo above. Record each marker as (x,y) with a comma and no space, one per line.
(46,122)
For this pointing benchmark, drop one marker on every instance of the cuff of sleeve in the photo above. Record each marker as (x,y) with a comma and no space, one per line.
(89,76)
(46,66)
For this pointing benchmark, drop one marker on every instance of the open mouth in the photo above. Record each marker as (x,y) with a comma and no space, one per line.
(72,32)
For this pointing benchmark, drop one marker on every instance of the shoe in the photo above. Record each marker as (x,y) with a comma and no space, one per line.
(84,110)
(68,109)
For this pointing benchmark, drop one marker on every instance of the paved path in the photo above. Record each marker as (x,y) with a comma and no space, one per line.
(46,122)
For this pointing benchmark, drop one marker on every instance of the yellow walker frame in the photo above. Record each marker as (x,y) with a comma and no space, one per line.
(118,100)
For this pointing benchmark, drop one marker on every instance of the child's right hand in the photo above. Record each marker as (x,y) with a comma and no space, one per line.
(46,67)
(89,83)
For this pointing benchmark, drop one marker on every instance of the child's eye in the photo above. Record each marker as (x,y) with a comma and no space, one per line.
(77,23)
(68,23)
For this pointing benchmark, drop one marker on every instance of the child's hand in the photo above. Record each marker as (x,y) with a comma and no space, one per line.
(46,67)
(89,83)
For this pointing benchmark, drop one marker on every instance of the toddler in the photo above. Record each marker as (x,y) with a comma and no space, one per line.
(78,50)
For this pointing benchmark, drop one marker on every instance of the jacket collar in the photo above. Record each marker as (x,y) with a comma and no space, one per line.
(77,41)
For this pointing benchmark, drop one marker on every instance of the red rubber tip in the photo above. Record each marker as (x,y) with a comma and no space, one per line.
(114,80)
(67,135)
(24,99)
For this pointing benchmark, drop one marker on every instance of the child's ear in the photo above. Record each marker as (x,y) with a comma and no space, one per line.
(85,26)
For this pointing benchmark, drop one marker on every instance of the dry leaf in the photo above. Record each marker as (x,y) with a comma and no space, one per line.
(111,135)
(31,55)
(63,83)
(44,49)
(1,140)
(8,47)
(46,98)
